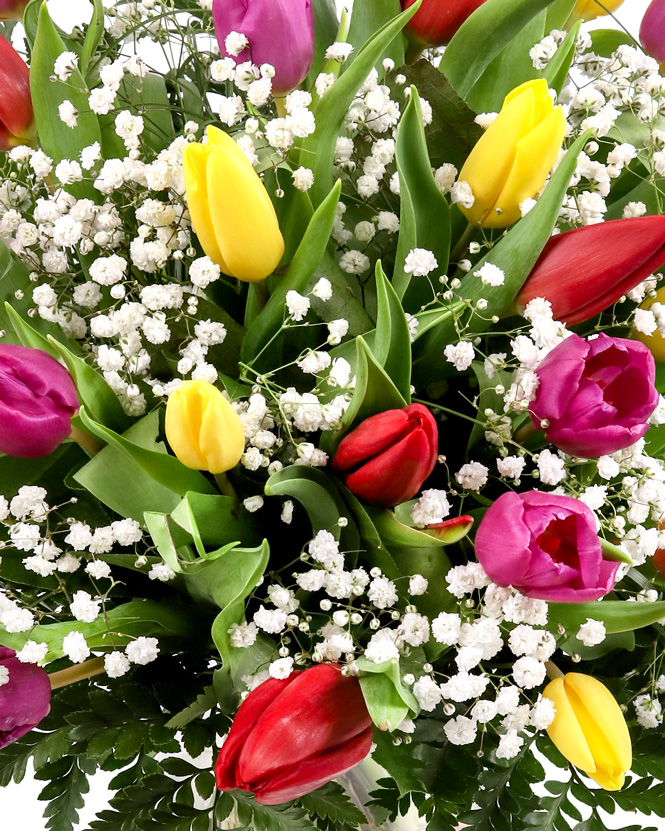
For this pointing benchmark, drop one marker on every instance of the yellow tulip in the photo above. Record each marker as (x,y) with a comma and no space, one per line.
(590,9)
(589,728)
(203,429)
(510,162)
(655,342)
(231,211)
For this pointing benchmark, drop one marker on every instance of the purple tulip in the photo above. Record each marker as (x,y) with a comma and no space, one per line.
(652,30)
(545,546)
(280,32)
(37,402)
(25,696)
(595,397)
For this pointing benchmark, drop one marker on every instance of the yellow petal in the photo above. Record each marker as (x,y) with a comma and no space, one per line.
(590,9)
(655,342)
(534,157)
(603,723)
(222,437)
(490,162)
(244,219)
(607,782)
(194,163)
(183,417)
(565,731)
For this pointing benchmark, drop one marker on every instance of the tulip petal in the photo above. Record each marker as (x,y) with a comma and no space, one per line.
(312,773)
(370,437)
(565,731)
(194,162)
(221,436)
(506,564)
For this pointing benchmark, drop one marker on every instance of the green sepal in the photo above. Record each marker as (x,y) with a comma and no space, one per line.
(614,553)
(388,700)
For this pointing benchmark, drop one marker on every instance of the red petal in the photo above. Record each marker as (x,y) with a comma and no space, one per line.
(372,436)
(15,101)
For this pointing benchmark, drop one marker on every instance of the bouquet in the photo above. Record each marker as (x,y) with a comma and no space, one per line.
(332,477)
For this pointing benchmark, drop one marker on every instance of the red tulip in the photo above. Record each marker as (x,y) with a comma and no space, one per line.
(291,736)
(12,9)
(386,459)
(16,116)
(652,31)
(583,271)
(436,21)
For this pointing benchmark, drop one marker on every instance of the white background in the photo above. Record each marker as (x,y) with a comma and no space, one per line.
(19,807)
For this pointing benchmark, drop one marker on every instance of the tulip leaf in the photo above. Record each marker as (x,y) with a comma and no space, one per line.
(29,336)
(163,468)
(488,397)
(368,17)
(388,700)
(558,13)
(57,139)
(168,538)
(115,628)
(93,34)
(216,519)
(94,393)
(605,42)
(325,34)
(470,51)
(424,211)
(294,209)
(300,272)
(374,392)
(617,615)
(556,71)
(391,344)
(515,254)
(318,150)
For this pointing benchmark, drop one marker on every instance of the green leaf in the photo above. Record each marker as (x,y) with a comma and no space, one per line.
(374,392)
(388,700)
(203,703)
(285,817)
(62,812)
(424,211)
(318,150)
(367,18)
(163,468)
(605,42)
(121,483)
(166,535)
(325,31)
(470,51)
(331,802)
(556,71)
(391,345)
(28,336)
(302,268)
(216,519)
(57,139)
(617,615)
(93,34)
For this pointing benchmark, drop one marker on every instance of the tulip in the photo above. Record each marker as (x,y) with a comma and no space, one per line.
(589,728)
(25,696)
(595,397)
(450,530)
(545,546)
(655,342)
(231,211)
(583,271)
(280,33)
(590,9)
(292,735)
(203,429)
(510,162)
(16,116)
(652,31)
(12,9)
(37,402)
(386,459)
(436,21)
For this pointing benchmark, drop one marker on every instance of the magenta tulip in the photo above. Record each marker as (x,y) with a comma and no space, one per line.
(25,696)
(545,546)
(291,736)
(37,402)
(652,31)
(595,397)
(16,115)
(583,271)
(280,33)
(386,459)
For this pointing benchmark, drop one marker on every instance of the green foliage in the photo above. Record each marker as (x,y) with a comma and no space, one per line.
(368,17)
(332,806)
(286,817)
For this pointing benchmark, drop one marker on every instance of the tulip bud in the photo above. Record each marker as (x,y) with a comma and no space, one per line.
(510,162)
(292,735)
(12,9)
(596,396)
(202,428)
(280,33)
(231,211)
(591,9)
(609,259)
(450,530)
(25,696)
(386,459)
(37,402)
(545,546)
(16,116)
(652,31)
(589,728)
(436,21)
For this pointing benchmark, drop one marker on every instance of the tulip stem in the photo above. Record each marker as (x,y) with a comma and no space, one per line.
(413,52)
(262,293)
(79,672)
(525,432)
(89,443)
(280,103)
(460,249)
(553,670)
(226,487)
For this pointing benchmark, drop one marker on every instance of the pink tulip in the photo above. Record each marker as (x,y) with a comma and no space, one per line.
(652,31)
(25,696)
(280,33)
(545,546)
(595,397)
(386,459)
(291,736)
(37,402)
